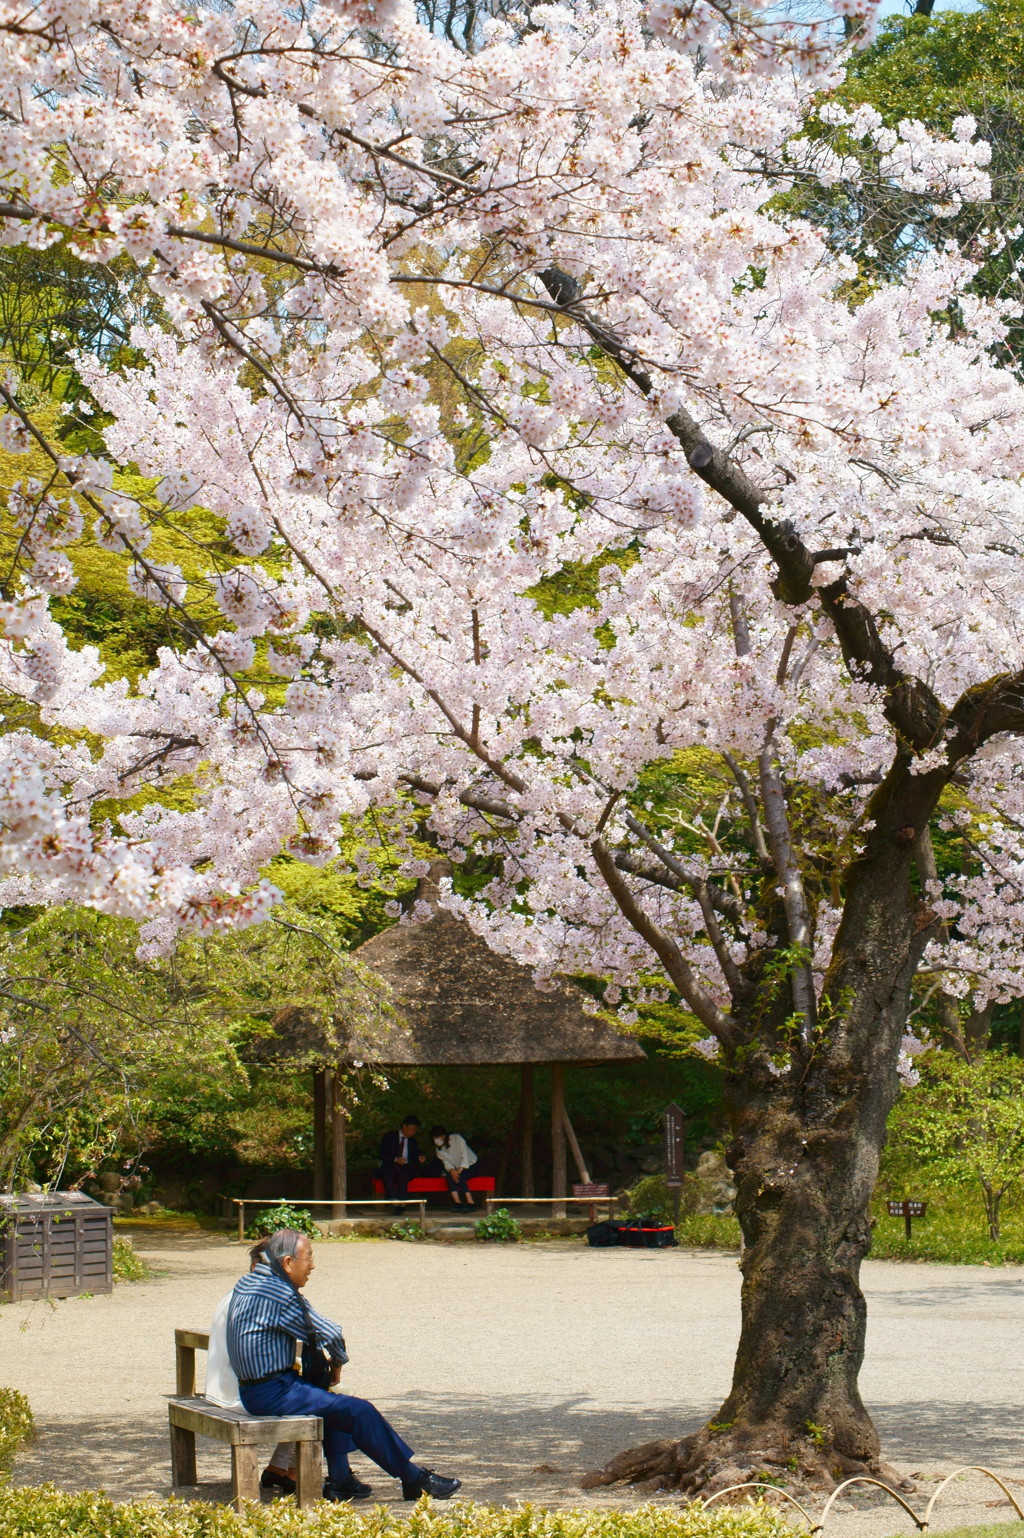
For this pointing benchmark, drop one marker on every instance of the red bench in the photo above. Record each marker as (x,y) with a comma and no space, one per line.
(429,1185)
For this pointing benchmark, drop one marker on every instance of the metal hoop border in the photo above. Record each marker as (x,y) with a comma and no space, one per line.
(923,1524)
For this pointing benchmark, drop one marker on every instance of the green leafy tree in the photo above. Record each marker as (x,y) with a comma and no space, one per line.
(91,1036)
(966,1121)
(935,69)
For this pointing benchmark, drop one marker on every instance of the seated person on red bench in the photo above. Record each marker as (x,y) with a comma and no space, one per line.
(459,1162)
(400,1158)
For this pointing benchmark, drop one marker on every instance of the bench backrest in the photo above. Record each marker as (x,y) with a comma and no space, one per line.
(186,1344)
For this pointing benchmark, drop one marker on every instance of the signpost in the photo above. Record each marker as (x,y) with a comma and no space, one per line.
(675,1163)
(907,1210)
(594,1190)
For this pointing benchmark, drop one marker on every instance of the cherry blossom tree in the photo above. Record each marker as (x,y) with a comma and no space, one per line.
(441,337)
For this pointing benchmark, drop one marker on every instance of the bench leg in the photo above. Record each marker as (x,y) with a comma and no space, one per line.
(308,1473)
(245,1474)
(183,1457)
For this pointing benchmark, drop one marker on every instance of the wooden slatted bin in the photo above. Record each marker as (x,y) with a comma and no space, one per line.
(54,1244)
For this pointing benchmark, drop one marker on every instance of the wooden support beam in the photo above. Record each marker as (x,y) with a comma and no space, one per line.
(511,1142)
(319,1134)
(559,1188)
(577,1153)
(339,1156)
(526,1131)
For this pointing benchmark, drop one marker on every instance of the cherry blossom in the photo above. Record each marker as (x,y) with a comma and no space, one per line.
(578,330)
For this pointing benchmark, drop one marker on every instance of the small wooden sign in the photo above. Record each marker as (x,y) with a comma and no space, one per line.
(907,1209)
(596,1191)
(675,1128)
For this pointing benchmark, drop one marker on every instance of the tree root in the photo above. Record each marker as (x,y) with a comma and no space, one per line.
(714,1458)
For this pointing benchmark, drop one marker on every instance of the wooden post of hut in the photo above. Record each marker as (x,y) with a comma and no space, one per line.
(339,1152)
(558,1114)
(526,1131)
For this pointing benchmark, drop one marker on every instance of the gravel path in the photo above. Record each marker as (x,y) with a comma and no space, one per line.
(520,1367)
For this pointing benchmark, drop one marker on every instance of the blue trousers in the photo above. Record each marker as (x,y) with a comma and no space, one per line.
(348,1423)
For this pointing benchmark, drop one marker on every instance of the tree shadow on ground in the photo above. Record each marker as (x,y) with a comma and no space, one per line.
(505,1449)
(151,1237)
(521,1448)
(957,1433)
(952,1296)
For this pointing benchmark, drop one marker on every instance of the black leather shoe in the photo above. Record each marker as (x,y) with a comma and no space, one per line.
(430,1483)
(270,1479)
(350,1489)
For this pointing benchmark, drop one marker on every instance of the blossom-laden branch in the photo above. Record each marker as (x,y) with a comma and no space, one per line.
(529,497)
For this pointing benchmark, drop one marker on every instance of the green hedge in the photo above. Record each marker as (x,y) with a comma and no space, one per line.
(49,1513)
(16,1426)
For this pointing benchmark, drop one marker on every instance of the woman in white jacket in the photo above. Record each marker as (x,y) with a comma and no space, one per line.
(459,1161)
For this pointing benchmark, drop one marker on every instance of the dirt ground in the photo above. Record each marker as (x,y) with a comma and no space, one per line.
(520,1367)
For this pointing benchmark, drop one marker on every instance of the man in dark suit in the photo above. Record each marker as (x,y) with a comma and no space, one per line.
(400,1159)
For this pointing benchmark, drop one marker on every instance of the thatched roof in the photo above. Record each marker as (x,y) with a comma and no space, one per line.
(461,1002)
(455,1001)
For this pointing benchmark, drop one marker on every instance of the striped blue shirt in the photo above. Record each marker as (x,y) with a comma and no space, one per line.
(265,1319)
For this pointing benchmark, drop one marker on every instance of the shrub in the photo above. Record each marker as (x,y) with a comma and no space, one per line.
(499,1227)
(16,1426)
(652,1198)
(48,1513)
(128,1267)
(408,1229)
(284,1216)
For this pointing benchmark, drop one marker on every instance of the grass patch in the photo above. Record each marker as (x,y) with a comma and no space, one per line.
(954,1231)
(16,1426)
(706,1231)
(49,1513)
(986,1530)
(498,1228)
(167,1218)
(128,1267)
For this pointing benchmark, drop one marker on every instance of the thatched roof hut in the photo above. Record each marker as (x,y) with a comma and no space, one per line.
(457,1002)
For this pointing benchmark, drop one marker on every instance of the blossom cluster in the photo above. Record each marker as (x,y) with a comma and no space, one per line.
(431,321)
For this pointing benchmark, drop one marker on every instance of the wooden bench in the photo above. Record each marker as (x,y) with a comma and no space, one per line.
(191,1415)
(422,1185)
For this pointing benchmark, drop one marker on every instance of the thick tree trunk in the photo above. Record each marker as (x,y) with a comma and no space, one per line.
(804,1173)
(805,1150)
(805,1167)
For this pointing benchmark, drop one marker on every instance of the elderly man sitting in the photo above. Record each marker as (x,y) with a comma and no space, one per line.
(265,1319)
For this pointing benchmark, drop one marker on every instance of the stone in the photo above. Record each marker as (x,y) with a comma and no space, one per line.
(715,1190)
(109,1180)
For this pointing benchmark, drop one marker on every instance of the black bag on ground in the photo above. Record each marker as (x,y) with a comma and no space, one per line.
(603,1235)
(647,1232)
